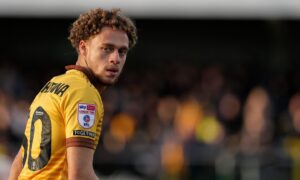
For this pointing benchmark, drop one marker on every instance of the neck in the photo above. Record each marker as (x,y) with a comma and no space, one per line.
(81,62)
(89,73)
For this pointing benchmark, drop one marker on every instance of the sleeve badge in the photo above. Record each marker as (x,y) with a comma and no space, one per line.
(86,115)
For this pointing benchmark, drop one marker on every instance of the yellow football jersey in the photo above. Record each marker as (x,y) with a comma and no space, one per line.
(68,111)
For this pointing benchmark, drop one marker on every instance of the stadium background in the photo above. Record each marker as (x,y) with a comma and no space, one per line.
(200,98)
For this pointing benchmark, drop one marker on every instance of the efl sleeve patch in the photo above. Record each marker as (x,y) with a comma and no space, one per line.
(86,115)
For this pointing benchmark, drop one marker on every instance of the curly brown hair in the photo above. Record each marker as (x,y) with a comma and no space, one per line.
(91,23)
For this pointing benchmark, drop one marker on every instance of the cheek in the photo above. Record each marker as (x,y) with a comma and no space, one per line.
(123,61)
(97,58)
(121,65)
(93,63)
(94,56)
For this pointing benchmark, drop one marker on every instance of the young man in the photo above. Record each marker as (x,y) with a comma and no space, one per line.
(65,118)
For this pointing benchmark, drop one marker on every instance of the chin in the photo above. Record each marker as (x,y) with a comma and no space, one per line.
(108,82)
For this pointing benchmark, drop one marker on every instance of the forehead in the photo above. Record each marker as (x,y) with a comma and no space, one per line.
(111,36)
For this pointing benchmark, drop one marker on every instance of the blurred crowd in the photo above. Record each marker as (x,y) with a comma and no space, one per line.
(179,121)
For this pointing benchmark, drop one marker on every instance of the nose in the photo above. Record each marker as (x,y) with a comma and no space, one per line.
(114,57)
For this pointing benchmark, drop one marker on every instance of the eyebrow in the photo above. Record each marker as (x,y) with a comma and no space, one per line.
(110,44)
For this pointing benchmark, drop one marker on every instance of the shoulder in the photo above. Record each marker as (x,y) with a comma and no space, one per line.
(80,89)
(74,78)
(77,83)
(64,84)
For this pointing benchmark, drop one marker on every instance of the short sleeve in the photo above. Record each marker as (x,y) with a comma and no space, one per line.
(83,114)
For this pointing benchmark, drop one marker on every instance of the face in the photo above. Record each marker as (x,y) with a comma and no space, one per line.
(105,54)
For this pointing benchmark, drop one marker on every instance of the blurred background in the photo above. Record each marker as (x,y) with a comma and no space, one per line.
(210,92)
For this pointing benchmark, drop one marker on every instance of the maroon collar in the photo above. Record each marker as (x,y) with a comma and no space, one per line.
(88,72)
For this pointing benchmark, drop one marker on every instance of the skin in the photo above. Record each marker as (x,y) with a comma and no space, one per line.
(105,54)
(16,167)
(80,167)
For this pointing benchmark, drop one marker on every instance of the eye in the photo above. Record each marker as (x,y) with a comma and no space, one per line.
(107,49)
(123,51)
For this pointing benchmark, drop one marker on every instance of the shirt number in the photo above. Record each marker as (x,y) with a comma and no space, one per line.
(43,158)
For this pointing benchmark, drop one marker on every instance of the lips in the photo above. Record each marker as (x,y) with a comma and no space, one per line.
(112,71)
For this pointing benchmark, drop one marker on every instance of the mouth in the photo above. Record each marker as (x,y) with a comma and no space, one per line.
(112,71)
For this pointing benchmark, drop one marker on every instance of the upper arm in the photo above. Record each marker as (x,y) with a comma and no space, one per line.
(16,167)
(83,113)
(80,163)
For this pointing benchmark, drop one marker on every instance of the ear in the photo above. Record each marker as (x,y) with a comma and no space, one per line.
(82,47)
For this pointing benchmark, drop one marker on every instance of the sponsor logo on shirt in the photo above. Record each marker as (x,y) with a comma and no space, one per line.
(86,115)
(84,133)
(39,113)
